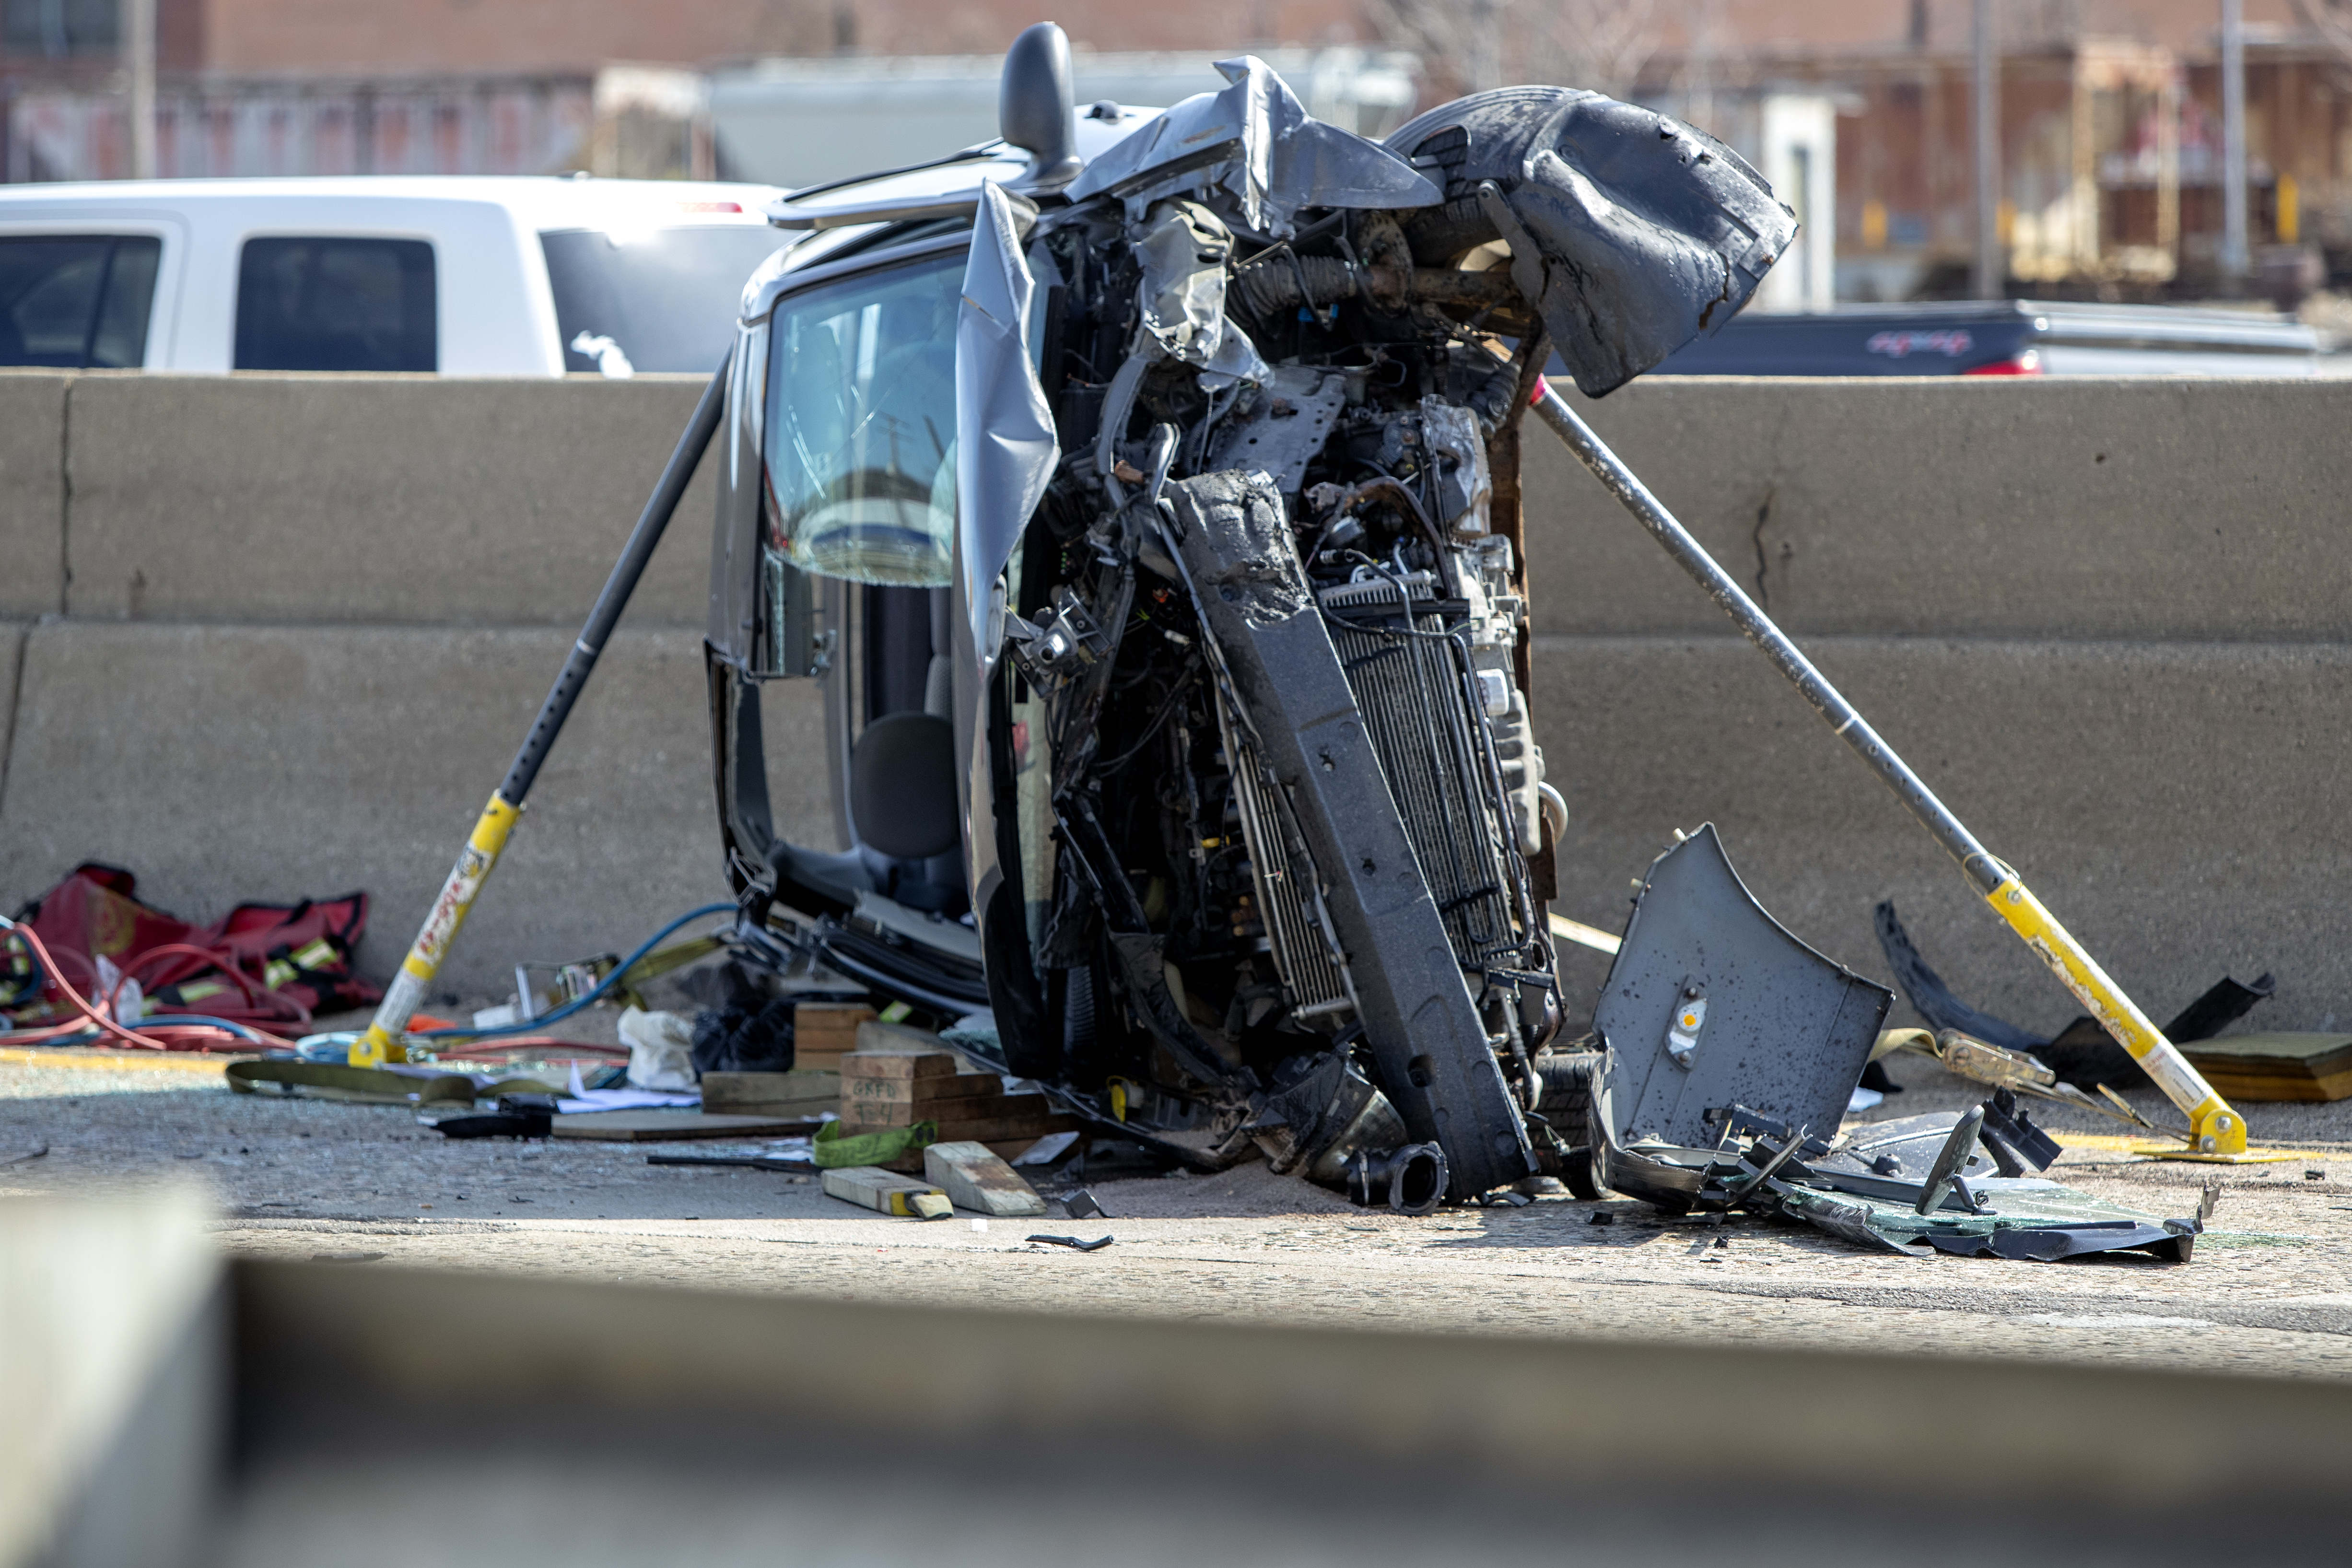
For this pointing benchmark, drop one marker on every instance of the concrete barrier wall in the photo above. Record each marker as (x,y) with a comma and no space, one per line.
(225,762)
(32,493)
(306,620)
(2025,508)
(281,636)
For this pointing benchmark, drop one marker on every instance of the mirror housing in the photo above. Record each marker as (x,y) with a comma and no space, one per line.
(1036,106)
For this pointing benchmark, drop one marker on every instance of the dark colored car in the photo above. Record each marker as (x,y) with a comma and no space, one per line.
(2004,337)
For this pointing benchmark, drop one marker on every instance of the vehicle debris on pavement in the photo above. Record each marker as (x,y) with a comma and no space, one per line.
(1074,1244)
(2266,1065)
(1730,1050)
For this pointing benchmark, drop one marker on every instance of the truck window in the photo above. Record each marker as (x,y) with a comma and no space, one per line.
(76,302)
(335,302)
(664,298)
(861,425)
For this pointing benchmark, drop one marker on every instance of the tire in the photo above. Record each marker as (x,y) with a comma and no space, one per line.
(1566,1104)
(1439,235)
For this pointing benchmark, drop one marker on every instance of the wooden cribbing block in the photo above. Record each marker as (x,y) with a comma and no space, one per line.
(799,1093)
(877,1037)
(870,1186)
(825,1032)
(1006,1149)
(976,1179)
(2272,1066)
(901,1092)
(899,1066)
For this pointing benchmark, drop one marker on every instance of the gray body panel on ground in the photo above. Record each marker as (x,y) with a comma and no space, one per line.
(1782,1030)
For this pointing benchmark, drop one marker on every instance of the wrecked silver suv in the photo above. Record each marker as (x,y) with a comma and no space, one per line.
(1144,492)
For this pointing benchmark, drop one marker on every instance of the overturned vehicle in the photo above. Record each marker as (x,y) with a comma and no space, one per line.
(1147,505)
(1142,492)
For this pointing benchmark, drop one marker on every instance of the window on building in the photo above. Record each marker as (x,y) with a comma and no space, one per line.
(336,302)
(76,302)
(57,28)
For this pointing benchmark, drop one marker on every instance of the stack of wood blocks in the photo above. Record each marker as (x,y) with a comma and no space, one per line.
(825,1032)
(898,1077)
(794,1096)
(2274,1067)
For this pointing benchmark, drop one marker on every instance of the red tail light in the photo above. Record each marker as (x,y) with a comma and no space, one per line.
(2025,362)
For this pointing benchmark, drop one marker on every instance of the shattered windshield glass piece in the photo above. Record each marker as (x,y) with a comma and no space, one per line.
(1005,466)
(1255,140)
(2025,1217)
(860,469)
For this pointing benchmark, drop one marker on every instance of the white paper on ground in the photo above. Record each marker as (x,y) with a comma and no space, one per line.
(582,1098)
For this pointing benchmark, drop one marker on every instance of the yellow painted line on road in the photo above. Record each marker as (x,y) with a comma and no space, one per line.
(2139,1143)
(1584,935)
(134,1061)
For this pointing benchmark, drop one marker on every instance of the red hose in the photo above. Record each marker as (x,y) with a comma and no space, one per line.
(41,953)
(187,1036)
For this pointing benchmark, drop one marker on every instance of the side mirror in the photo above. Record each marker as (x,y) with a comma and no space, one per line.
(1036,106)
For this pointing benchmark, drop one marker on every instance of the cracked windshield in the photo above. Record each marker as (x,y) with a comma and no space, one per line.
(861,432)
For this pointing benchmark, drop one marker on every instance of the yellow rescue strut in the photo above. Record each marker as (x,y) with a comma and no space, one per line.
(2216,1132)
(385,1040)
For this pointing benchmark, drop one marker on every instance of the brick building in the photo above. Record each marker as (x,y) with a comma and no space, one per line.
(2110,110)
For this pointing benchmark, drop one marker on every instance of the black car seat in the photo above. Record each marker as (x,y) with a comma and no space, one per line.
(904,809)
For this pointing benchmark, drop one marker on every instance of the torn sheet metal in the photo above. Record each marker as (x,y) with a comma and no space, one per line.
(1007,445)
(1933,1000)
(1255,140)
(1647,232)
(1465,486)
(1183,248)
(2081,1053)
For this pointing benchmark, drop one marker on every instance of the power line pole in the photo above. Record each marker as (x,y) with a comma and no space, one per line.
(1989,278)
(2233,146)
(139,58)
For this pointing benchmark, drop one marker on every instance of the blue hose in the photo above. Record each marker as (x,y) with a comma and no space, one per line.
(241,1030)
(540,1023)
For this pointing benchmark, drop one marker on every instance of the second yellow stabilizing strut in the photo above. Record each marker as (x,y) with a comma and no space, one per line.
(2216,1132)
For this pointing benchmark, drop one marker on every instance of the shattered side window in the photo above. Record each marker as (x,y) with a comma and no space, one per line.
(859,449)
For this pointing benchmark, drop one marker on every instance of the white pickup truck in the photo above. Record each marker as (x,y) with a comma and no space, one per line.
(459,275)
